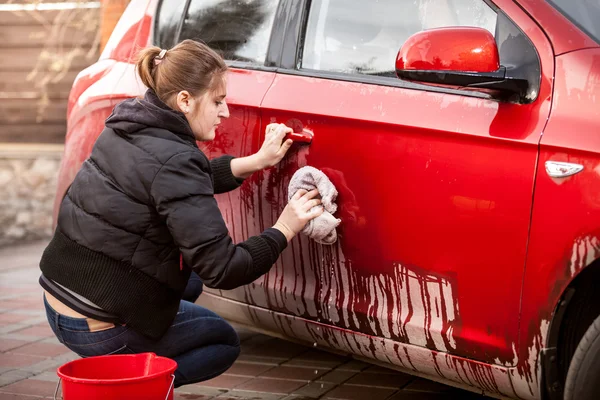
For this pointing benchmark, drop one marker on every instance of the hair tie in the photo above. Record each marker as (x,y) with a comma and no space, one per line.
(160,57)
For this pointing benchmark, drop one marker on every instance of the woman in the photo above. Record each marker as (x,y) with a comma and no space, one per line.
(140,216)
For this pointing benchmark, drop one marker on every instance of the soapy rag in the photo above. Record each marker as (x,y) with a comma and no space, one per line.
(322,228)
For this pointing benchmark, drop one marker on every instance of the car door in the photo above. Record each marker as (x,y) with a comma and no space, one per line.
(241,31)
(435,184)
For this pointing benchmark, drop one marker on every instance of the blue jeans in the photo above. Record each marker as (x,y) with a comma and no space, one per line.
(203,344)
(193,289)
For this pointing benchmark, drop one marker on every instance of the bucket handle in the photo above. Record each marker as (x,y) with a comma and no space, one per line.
(170,387)
(166,398)
(56,391)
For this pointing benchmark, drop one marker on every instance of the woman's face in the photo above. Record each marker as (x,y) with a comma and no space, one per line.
(204,113)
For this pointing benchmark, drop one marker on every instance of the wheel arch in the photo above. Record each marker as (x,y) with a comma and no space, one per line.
(575,311)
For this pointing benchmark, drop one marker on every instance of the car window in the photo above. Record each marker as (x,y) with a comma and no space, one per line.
(167,22)
(584,14)
(239,29)
(363,37)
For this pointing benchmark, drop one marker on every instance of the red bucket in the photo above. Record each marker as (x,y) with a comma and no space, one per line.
(118,377)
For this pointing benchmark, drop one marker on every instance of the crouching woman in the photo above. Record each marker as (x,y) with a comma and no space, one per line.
(141,215)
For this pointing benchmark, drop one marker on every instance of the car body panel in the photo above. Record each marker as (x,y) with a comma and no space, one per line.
(565,230)
(563,34)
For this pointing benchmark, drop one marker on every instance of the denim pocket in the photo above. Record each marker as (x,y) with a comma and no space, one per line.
(95,351)
(87,344)
(103,350)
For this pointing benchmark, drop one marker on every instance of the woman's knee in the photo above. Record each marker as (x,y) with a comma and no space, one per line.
(229,335)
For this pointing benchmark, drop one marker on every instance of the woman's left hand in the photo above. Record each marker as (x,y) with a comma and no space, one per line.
(274,147)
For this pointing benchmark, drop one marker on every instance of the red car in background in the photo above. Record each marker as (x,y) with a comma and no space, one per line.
(463,137)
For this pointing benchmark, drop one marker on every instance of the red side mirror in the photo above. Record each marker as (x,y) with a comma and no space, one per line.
(461,49)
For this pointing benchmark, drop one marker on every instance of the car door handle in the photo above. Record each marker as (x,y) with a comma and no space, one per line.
(556,169)
(305,136)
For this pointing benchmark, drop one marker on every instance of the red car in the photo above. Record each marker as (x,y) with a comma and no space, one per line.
(463,137)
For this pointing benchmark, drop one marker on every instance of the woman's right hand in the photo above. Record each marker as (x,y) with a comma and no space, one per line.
(298,212)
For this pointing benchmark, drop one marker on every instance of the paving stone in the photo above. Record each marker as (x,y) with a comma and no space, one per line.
(31,297)
(201,390)
(248,369)
(12,328)
(32,387)
(47,376)
(14,336)
(280,386)
(394,381)
(11,396)
(295,373)
(12,318)
(8,344)
(51,363)
(37,307)
(354,365)
(352,392)
(18,360)
(42,349)
(41,331)
(36,313)
(190,396)
(273,361)
(225,381)
(249,395)
(17,291)
(21,305)
(51,340)
(36,320)
(13,376)
(314,389)
(337,376)
(12,304)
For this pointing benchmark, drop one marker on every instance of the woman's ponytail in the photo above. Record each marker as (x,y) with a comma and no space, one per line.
(146,66)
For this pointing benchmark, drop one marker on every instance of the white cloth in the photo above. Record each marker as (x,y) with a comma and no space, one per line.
(322,228)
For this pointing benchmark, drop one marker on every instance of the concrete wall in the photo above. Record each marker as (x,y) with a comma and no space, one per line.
(28,176)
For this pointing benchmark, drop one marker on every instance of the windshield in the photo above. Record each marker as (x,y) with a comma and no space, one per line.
(583,13)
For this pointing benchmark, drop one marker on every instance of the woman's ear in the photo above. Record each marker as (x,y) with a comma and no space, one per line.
(184,101)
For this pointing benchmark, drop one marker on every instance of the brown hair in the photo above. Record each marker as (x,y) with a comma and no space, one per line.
(190,65)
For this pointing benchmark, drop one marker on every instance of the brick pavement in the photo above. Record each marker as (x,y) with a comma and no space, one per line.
(268,368)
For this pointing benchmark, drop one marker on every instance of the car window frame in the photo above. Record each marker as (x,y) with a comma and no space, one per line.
(274,47)
(291,60)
